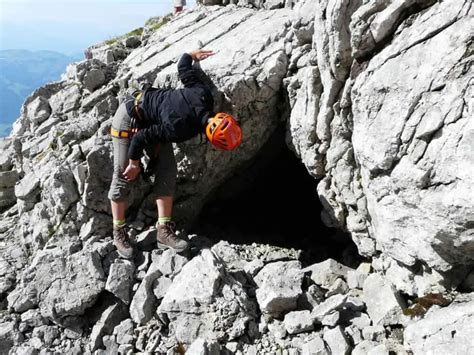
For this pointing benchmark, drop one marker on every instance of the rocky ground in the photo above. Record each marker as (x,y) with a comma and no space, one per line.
(375,99)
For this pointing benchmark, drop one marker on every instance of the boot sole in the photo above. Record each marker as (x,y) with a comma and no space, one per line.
(164,246)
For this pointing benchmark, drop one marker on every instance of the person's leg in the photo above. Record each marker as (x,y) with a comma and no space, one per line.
(164,205)
(165,182)
(119,188)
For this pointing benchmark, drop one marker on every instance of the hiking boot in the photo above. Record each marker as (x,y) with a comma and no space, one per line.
(167,238)
(123,243)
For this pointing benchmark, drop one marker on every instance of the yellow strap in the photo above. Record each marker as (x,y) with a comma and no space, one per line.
(119,134)
(138,98)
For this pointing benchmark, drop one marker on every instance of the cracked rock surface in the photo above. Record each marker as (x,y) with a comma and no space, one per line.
(377,101)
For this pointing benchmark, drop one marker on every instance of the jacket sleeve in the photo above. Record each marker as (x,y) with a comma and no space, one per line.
(145,137)
(186,73)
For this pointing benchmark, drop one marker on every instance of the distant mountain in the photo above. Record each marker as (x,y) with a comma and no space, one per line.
(23,71)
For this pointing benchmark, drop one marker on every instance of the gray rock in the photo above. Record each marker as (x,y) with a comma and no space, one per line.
(203,347)
(331,304)
(38,110)
(331,319)
(120,280)
(325,273)
(112,316)
(315,346)
(411,178)
(337,341)
(8,178)
(374,333)
(124,332)
(170,263)
(94,79)
(132,42)
(298,322)
(279,286)
(27,188)
(32,318)
(144,301)
(384,305)
(206,302)
(364,347)
(339,286)
(361,321)
(60,284)
(277,329)
(9,336)
(447,330)
(356,279)
(380,349)
(161,287)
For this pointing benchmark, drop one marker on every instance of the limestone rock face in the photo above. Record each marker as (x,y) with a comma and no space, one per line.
(47,284)
(198,297)
(413,137)
(446,330)
(376,98)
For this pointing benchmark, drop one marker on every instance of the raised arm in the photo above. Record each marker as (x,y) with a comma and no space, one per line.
(186,73)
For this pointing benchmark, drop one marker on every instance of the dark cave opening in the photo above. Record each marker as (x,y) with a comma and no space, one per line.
(274,201)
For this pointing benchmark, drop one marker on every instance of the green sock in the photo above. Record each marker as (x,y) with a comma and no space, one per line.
(119,223)
(163,220)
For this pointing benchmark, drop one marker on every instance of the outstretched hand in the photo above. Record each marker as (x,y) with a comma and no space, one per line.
(201,54)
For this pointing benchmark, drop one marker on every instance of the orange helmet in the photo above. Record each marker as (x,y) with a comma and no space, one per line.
(224,132)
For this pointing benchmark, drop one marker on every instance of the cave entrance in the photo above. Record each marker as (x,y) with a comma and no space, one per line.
(274,201)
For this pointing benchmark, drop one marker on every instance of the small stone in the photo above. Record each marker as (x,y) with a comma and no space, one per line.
(331,319)
(361,321)
(380,349)
(331,304)
(279,287)
(356,279)
(325,273)
(384,305)
(120,280)
(315,346)
(337,341)
(374,333)
(298,322)
(338,287)
(277,329)
(364,347)
(124,332)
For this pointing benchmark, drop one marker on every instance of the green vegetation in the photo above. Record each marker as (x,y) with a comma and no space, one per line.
(154,23)
(136,32)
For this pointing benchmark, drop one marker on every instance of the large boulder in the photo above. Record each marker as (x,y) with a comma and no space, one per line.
(204,301)
(59,284)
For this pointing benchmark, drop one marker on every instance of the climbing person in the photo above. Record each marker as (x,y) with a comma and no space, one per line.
(178,6)
(151,120)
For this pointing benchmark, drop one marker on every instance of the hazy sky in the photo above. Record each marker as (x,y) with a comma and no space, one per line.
(69,26)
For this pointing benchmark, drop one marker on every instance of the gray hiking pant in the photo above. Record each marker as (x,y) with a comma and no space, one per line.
(164,168)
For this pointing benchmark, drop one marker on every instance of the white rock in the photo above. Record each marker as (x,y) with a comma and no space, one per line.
(120,280)
(443,331)
(279,286)
(337,341)
(384,305)
(315,346)
(298,322)
(144,301)
(325,273)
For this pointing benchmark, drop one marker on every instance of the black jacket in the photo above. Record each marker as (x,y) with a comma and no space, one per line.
(174,115)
